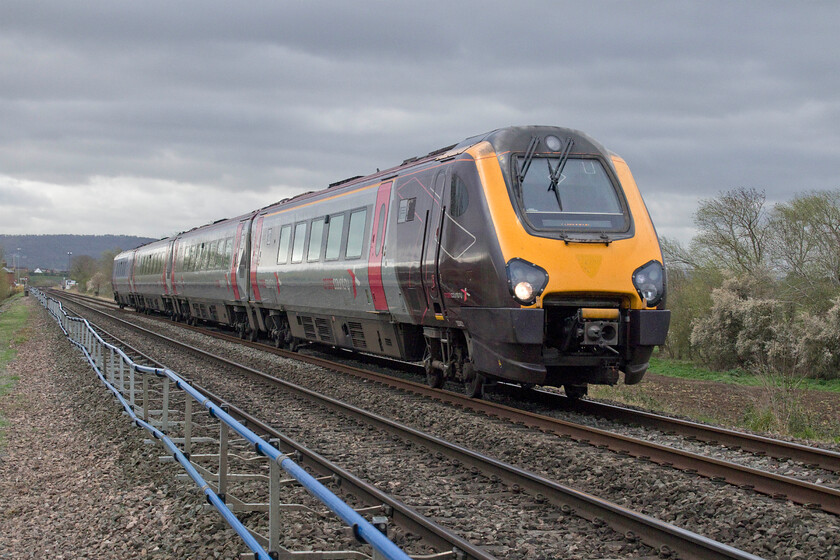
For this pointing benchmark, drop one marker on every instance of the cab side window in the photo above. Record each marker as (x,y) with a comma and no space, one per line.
(458,197)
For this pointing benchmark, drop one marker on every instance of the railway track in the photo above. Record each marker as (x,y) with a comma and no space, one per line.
(771,484)
(432,533)
(632,525)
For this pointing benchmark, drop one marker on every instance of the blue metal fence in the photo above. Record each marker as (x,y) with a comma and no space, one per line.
(82,335)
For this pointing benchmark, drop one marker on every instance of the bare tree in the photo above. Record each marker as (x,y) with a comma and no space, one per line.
(677,256)
(805,245)
(82,268)
(734,230)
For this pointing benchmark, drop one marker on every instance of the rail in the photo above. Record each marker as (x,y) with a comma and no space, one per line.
(81,334)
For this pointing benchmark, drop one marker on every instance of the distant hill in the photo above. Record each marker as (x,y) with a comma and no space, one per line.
(50,251)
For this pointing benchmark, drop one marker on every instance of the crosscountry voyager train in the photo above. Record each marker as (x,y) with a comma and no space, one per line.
(525,254)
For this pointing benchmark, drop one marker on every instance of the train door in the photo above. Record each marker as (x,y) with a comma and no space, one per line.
(256,246)
(377,246)
(131,260)
(430,258)
(239,273)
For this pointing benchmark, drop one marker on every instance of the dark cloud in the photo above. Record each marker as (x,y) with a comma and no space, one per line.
(270,98)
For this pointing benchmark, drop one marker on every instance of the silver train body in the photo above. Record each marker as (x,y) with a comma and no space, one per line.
(456,258)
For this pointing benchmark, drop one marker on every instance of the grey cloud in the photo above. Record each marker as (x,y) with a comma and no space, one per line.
(275,97)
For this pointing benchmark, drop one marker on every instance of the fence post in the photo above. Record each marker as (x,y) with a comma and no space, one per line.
(165,407)
(131,378)
(122,377)
(274,506)
(223,455)
(111,367)
(188,425)
(145,397)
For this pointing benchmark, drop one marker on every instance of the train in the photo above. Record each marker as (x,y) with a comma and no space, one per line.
(524,255)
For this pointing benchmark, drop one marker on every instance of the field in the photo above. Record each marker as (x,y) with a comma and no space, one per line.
(13,319)
(803,408)
(45,280)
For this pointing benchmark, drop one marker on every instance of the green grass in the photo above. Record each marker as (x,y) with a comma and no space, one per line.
(13,332)
(45,280)
(781,409)
(688,370)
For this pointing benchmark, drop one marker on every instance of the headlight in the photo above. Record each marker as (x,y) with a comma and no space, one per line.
(650,282)
(525,280)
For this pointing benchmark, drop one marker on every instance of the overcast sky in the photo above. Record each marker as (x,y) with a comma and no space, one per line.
(149,118)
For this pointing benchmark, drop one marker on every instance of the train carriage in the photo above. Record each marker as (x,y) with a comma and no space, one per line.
(525,254)
(150,290)
(209,273)
(121,280)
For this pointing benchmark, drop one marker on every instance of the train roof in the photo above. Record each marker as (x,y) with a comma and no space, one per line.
(503,140)
(512,138)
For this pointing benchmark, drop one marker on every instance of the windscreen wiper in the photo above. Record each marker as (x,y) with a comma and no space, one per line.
(555,172)
(529,157)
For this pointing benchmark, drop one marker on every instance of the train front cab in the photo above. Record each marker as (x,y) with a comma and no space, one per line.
(582,262)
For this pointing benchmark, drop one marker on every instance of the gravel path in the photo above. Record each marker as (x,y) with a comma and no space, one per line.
(76,480)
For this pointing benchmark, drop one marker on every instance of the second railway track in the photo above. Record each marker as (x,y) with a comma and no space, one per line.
(611,476)
(769,483)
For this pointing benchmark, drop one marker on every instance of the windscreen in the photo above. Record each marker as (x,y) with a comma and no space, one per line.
(582,199)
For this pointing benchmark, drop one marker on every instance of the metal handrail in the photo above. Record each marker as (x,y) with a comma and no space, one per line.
(362,529)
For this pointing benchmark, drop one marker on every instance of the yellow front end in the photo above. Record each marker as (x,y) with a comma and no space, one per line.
(595,322)
(574,269)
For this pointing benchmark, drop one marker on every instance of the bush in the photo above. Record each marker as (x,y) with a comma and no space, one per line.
(745,325)
(819,344)
(713,336)
(689,297)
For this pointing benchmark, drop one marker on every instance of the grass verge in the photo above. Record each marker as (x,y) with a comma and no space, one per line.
(688,370)
(13,332)
(772,403)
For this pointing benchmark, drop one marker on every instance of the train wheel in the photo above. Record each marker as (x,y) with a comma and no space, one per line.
(575,392)
(474,382)
(253,335)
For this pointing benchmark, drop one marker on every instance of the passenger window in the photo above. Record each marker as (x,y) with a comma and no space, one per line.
(336,228)
(283,249)
(220,255)
(228,251)
(356,234)
(211,259)
(300,238)
(315,238)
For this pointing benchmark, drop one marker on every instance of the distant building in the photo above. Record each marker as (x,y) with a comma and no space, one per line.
(37,271)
